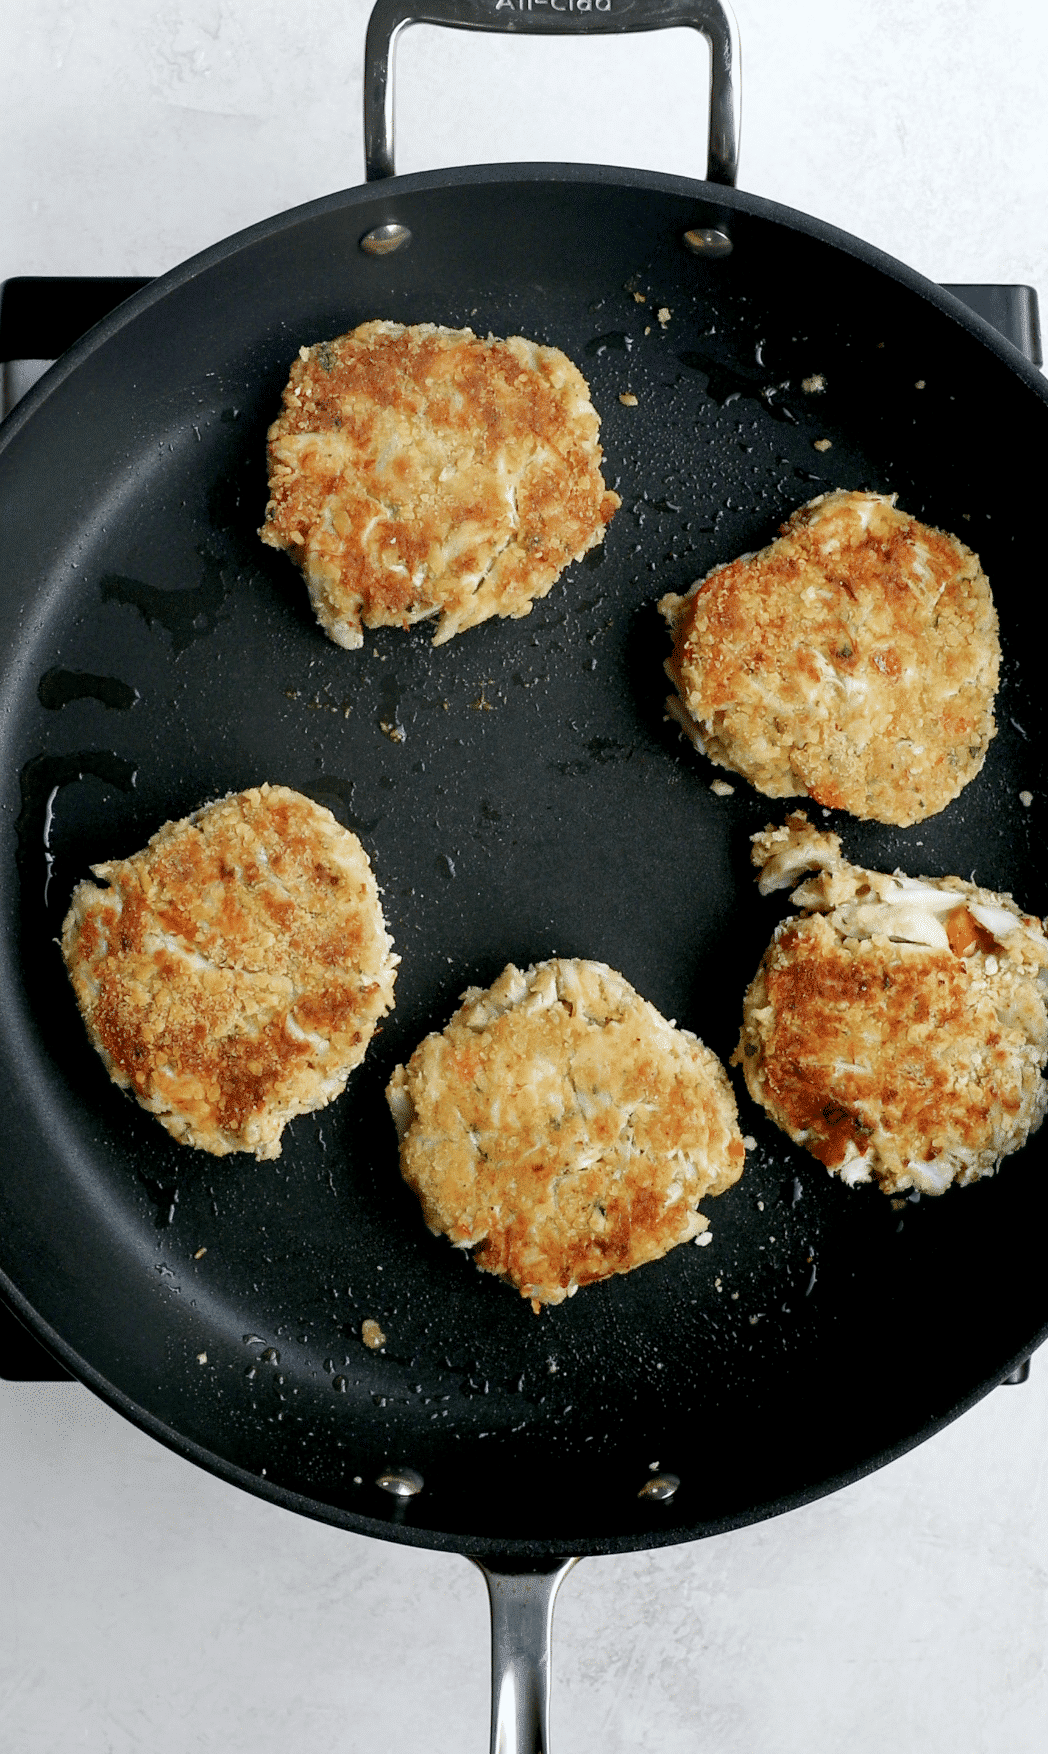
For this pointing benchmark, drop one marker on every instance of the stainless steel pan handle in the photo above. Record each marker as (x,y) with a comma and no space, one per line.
(713,18)
(522,1601)
(521,1640)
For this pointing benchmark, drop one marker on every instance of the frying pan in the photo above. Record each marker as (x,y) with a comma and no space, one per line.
(534,801)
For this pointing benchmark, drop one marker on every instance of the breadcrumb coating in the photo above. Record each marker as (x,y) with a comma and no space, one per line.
(231,974)
(563,1130)
(854,660)
(897,1027)
(424,471)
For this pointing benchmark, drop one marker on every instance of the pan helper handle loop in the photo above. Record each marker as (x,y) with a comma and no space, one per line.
(713,18)
(521,1640)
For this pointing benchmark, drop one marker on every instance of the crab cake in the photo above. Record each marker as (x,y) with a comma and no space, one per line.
(423,471)
(896,1028)
(854,660)
(562,1129)
(232,973)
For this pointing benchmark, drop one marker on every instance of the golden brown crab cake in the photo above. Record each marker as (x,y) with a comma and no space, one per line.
(897,1027)
(563,1130)
(424,471)
(854,660)
(232,972)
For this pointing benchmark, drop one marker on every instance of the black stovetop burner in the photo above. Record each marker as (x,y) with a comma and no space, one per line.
(41,318)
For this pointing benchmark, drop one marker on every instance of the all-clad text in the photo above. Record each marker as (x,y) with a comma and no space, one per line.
(555,5)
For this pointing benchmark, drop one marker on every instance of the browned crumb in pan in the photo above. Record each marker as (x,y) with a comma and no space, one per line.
(231,974)
(897,1027)
(854,660)
(562,1129)
(421,471)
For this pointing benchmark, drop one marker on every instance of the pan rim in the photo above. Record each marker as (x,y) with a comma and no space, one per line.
(364,195)
(491,1549)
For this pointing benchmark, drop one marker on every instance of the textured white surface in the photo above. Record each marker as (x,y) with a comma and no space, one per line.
(145,1606)
(133,134)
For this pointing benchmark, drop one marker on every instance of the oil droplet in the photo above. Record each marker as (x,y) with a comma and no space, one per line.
(337,796)
(615,342)
(58,687)
(388,716)
(49,859)
(41,780)
(186,614)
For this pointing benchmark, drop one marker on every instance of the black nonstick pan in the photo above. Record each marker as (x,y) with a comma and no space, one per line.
(520,793)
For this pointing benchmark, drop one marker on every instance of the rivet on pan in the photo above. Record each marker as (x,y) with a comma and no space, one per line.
(401,1482)
(707,240)
(386,238)
(661,1488)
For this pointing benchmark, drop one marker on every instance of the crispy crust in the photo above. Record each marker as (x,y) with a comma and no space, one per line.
(854,660)
(232,973)
(562,1129)
(423,471)
(898,1028)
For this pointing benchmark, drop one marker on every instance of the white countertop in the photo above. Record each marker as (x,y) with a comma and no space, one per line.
(146,1606)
